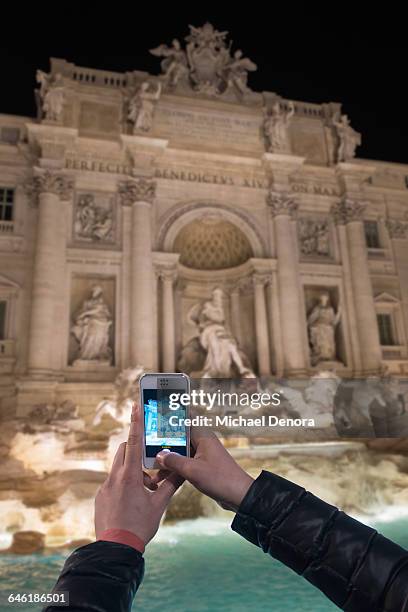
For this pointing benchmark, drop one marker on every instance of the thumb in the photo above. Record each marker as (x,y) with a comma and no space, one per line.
(167,489)
(175,463)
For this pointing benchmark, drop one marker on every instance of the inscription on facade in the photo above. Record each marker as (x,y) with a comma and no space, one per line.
(195,176)
(94,165)
(212,129)
(316,189)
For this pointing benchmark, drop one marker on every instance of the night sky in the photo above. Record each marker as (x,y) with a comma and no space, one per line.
(302,54)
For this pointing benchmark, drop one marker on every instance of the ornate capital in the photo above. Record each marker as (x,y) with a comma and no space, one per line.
(281,203)
(244,285)
(50,182)
(234,288)
(397,228)
(260,279)
(137,190)
(167,274)
(347,210)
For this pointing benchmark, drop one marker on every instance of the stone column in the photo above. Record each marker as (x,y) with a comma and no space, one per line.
(398,233)
(261,325)
(277,354)
(139,193)
(349,299)
(235,314)
(350,213)
(48,188)
(168,277)
(283,208)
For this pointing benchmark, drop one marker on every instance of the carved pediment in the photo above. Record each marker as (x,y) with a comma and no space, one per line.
(8,287)
(386,298)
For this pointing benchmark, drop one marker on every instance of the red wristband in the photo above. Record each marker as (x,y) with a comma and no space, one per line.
(122,536)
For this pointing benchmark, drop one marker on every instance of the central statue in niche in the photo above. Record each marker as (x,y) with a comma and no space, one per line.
(213,352)
(91,329)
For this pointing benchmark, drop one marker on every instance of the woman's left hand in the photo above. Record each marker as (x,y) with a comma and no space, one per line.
(123,501)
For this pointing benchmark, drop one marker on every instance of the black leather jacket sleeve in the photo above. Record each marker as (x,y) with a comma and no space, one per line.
(354,566)
(100,577)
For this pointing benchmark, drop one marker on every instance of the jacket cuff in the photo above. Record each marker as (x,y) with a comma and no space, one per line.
(122,536)
(268,500)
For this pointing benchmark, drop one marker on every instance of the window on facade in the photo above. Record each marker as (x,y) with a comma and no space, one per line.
(6,203)
(372,235)
(385,329)
(3,308)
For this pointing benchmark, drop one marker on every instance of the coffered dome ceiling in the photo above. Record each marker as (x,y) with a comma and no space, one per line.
(212,243)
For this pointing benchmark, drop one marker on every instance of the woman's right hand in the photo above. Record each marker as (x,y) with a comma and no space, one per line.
(212,470)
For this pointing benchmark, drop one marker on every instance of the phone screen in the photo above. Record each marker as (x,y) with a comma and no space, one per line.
(160,431)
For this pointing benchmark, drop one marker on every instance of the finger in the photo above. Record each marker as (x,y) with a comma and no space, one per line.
(133,455)
(118,460)
(119,457)
(167,489)
(196,433)
(148,482)
(160,475)
(204,442)
(199,434)
(184,466)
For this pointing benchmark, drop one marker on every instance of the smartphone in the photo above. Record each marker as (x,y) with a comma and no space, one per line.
(163,415)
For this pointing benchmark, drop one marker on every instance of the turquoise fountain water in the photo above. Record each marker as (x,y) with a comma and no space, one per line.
(196,566)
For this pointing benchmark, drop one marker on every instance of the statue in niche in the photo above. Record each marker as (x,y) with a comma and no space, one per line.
(91,329)
(322,323)
(275,127)
(214,350)
(175,65)
(314,237)
(50,95)
(142,105)
(348,138)
(92,222)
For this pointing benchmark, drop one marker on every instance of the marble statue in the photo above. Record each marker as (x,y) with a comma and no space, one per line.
(92,222)
(322,323)
(142,105)
(207,65)
(315,401)
(275,127)
(314,237)
(60,418)
(223,358)
(51,95)
(207,55)
(236,72)
(91,329)
(174,66)
(126,393)
(348,138)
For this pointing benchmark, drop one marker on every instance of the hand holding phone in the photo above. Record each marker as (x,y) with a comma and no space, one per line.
(164,427)
(124,501)
(212,470)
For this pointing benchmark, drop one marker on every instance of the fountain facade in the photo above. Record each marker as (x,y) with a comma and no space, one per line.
(181,220)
